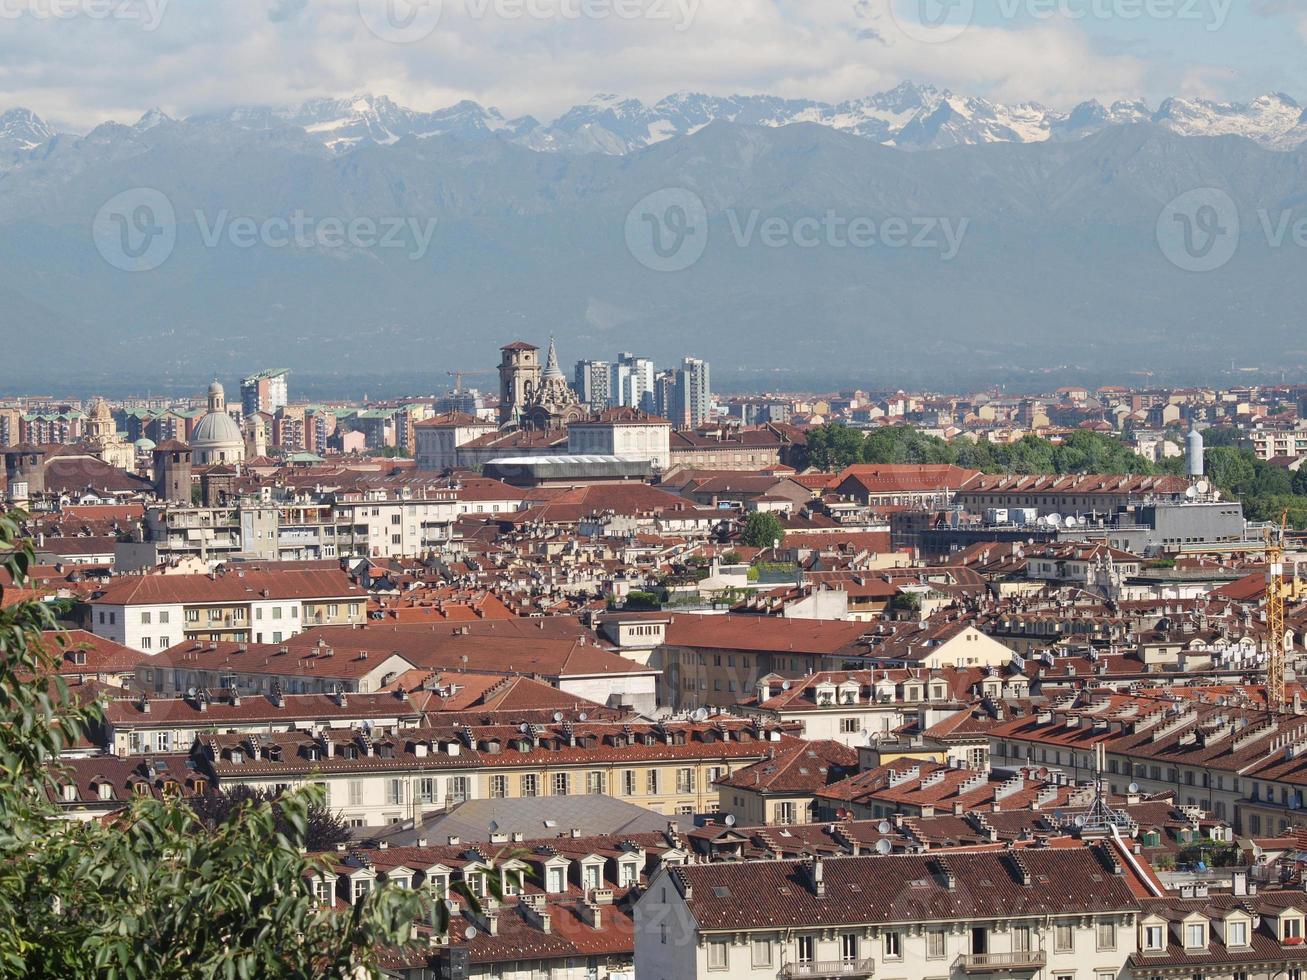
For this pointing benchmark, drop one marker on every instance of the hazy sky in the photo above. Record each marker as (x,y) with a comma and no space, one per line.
(78,62)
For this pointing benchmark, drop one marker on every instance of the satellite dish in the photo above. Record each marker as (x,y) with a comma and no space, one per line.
(451,906)
(785,685)
(884,827)
(1054,520)
(730,820)
(1132,788)
(1203,486)
(700,714)
(471,933)
(190,692)
(583,716)
(1080,820)
(1192,492)
(524,728)
(558,716)
(883,846)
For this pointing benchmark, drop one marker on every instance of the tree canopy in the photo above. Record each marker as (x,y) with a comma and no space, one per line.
(154,893)
(762,530)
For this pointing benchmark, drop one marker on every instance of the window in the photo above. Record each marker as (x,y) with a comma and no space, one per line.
(361,888)
(163,616)
(145,618)
(594,783)
(1064,937)
(146,643)
(498,787)
(652,782)
(685,780)
(1021,939)
(628,782)
(849,726)
(394,792)
(1195,935)
(321,892)
(1153,938)
(425,790)
(162,741)
(761,953)
(1292,929)
(848,948)
(356,792)
(555,881)
(786,813)
(457,789)
(560,784)
(718,958)
(935,944)
(530,785)
(1236,934)
(893,946)
(1107,935)
(807,949)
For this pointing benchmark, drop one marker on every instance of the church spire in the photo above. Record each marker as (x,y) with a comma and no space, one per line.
(552,370)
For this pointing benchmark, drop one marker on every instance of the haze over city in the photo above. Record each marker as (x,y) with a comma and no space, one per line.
(650,489)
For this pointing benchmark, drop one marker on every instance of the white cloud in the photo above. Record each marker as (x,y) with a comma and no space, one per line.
(206,55)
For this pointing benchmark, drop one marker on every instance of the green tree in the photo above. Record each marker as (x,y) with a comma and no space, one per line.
(762,530)
(833,447)
(322,832)
(155,894)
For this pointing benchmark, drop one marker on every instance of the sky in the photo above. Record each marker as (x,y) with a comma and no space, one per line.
(81,62)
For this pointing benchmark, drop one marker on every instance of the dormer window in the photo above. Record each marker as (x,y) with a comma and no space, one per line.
(70,793)
(1195,935)
(1291,928)
(1236,933)
(105,791)
(554,881)
(1154,939)
(237,756)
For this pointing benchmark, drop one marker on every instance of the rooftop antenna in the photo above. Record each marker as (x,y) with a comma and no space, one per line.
(1101,818)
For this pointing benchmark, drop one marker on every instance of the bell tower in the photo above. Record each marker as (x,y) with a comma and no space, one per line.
(519,376)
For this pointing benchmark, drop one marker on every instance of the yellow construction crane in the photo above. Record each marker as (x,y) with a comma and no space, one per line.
(1278,593)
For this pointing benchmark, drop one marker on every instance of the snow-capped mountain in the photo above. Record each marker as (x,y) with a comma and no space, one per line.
(343,124)
(22,130)
(910,116)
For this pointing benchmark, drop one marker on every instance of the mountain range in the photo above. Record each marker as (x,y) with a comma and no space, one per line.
(910,117)
(1060,267)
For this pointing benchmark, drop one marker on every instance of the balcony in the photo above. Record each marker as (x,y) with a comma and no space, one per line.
(827,968)
(1022,962)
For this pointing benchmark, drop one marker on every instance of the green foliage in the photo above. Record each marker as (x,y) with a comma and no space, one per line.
(834,446)
(762,530)
(157,894)
(906,602)
(639,599)
(323,831)
(731,557)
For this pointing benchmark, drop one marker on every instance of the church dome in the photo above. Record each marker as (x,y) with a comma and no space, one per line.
(217,430)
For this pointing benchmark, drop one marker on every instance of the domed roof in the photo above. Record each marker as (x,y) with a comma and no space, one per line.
(145,444)
(216,388)
(217,430)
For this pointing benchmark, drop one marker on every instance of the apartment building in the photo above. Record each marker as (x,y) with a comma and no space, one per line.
(379,779)
(151,613)
(1063,914)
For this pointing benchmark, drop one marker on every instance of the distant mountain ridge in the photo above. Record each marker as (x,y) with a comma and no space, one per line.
(910,116)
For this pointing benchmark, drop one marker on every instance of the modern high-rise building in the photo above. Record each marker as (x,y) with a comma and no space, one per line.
(265,391)
(693,378)
(591,380)
(631,382)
